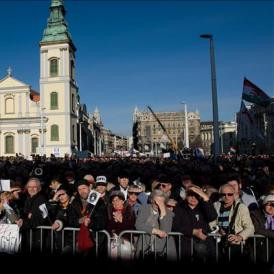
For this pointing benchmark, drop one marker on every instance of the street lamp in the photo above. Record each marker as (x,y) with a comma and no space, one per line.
(42,140)
(80,133)
(214,96)
(186,127)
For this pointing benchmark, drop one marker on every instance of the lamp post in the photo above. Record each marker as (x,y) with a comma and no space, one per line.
(214,96)
(186,126)
(42,145)
(80,133)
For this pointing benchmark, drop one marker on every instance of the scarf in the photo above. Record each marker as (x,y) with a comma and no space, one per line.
(269,224)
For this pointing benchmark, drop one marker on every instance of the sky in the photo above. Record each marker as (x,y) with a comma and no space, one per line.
(139,53)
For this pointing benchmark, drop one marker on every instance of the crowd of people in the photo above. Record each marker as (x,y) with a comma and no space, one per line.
(232,197)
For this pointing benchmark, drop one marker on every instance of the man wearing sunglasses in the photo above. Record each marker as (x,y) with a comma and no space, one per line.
(234,221)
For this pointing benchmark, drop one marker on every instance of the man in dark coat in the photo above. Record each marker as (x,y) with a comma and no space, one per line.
(32,214)
(192,218)
(93,217)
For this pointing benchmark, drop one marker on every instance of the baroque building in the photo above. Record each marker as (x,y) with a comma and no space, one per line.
(148,136)
(43,122)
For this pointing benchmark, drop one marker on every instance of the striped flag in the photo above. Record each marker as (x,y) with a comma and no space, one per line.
(253,94)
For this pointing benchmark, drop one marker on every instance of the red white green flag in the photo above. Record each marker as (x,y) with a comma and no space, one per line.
(253,94)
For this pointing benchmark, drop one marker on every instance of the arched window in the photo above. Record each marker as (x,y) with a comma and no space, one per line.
(72,69)
(34,145)
(54,100)
(54,133)
(53,67)
(9,105)
(9,144)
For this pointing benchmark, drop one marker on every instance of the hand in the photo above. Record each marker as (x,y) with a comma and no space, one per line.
(199,234)
(29,215)
(118,217)
(199,191)
(235,238)
(55,226)
(19,222)
(160,233)
(160,202)
(86,221)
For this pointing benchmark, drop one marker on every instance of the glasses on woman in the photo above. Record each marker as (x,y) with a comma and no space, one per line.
(270,204)
(132,193)
(226,194)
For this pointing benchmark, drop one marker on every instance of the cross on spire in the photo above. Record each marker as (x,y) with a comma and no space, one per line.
(9,70)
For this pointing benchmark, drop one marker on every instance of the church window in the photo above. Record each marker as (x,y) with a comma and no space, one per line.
(54,100)
(34,145)
(9,105)
(72,69)
(9,144)
(54,67)
(54,133)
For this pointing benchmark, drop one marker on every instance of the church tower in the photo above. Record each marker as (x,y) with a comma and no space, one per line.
(58,89)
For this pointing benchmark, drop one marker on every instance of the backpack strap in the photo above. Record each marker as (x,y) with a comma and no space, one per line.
(232,221)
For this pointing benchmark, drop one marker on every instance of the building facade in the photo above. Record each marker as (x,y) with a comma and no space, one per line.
(148,136)
(45,122)
(227,133)
(255,129)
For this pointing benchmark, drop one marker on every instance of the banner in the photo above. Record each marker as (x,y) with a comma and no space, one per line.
(10,238)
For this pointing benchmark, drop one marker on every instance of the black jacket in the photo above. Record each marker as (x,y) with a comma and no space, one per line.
(98,214)
(187,219)
(259,219)
(32,206)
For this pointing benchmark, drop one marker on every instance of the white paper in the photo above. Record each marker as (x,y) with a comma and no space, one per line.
(44,210)
(93,197)
(5,185)
(166,155)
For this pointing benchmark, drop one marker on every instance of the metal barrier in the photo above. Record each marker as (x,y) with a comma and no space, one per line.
(216,237)
(63,232)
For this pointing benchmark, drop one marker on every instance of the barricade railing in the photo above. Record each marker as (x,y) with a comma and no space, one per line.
(179,256)
(63,235)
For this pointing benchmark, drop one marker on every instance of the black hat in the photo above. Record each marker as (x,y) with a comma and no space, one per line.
(81,182)
(115,193)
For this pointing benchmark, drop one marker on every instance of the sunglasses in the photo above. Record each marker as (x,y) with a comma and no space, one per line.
(226,194)
(131,193)
(270,204)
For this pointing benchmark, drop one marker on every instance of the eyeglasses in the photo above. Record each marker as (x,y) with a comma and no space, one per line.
(226,194)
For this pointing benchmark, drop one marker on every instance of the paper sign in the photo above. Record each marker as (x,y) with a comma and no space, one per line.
(10,238)
(166,155)
(5,185)
(56,151)
(44,210)
(93,197)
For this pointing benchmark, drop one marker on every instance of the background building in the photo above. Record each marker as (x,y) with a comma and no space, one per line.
(148,135)
(227,136)
(255,129)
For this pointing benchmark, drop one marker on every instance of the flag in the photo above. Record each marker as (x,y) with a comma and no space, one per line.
(44,210)
(253,94)
(245,113)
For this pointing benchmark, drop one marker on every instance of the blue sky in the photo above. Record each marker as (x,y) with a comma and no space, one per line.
(139,53)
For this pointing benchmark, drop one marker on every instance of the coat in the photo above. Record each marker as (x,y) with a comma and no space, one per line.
(243,224)
(146,222)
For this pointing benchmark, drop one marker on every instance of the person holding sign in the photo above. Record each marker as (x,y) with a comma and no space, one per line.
(92,215)
(33,216)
